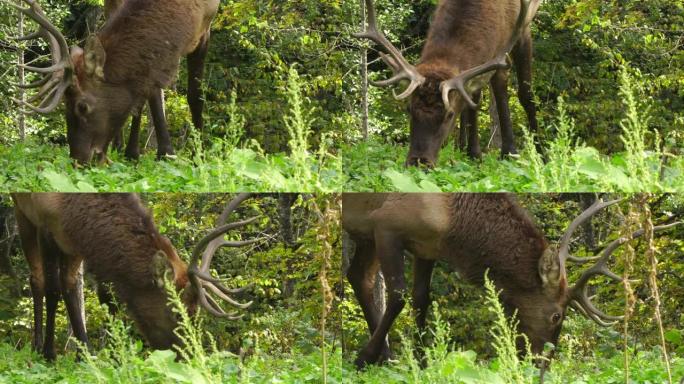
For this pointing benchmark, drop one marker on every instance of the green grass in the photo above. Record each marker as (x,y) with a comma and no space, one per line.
(377,166)
(217,166)
(446,363)
(24,366)
(34,167)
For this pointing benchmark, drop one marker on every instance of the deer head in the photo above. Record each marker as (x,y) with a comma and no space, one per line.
(433,106)
(95,109)
(194,282)
(541,314)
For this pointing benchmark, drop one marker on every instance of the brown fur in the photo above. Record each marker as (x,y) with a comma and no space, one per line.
(464,34)
(133,57)
(513,257)
(143,47)
(474,233)
(115,236)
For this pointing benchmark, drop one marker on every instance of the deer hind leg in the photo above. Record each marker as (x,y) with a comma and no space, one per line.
(69,270)
(389,253)
(469,124)
(51,271)
(522,56)
(29,244)
(133,146)
(422,275)
(500,92)
(362,275)
(161,129)
(195,75)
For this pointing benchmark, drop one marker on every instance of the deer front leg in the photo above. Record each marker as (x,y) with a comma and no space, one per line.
(362,275)
(69,270)
(28,234)
(422,275)
(161,129)
(133,146)
(500,92)
(469,121)
(389,252)
(51,270)
(195,75)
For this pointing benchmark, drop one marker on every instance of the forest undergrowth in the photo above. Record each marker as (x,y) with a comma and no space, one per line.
(217,164)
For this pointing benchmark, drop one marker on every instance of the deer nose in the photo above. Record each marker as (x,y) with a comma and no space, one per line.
(419,161)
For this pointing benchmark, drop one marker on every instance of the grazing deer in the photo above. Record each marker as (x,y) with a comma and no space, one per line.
(129,61)
(116,238)
(467,45)
(473,233)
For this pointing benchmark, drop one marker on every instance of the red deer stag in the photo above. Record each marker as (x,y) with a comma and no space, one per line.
(116,238)
(128,61)
(467,45)
(473,233)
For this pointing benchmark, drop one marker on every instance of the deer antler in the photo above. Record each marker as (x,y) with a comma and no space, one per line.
(501,61)
(402,69)
(201,278)
(578,295)
(58,76)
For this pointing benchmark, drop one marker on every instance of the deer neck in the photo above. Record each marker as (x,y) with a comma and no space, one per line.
(492,233)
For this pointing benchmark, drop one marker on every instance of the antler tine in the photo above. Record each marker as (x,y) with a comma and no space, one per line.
(224,314)
(564,246)
(35,12)
(49,104)
(200,276)
(211,306)
(501,61)
(578,292)
(208,246)
(30,36)
(402,69)
(59,74)
(222,293)
(35,84)
(594,313)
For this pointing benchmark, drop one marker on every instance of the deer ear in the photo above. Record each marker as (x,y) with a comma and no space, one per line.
(160,268)
(550,268)
(94,58)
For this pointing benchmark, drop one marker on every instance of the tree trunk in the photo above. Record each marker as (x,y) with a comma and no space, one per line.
(588,235)
(364,78)
(285,201)
(21,118)
(8,235)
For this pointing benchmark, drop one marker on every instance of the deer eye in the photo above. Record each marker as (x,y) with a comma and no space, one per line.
(556,318)
(83,108)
